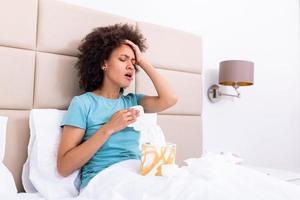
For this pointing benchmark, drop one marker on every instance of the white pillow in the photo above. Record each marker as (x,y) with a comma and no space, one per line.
(45,134)
(7,183)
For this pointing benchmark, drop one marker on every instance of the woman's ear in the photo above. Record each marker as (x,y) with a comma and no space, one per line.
(104,66)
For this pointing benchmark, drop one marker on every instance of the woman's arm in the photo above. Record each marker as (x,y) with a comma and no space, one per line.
(72,155)
(166,95)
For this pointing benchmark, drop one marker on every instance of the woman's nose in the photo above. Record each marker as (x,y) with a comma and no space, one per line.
(130,65)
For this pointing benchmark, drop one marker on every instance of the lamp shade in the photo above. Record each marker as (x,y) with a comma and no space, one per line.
(236,73)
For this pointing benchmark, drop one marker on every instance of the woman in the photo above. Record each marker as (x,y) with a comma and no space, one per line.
(95,133)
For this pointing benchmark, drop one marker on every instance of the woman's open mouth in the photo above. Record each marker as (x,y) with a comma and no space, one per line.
(129,76)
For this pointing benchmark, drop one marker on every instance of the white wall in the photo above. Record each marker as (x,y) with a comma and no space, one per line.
(264,125)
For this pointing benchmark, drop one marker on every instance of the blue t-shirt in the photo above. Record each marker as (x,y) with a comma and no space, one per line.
(90,112)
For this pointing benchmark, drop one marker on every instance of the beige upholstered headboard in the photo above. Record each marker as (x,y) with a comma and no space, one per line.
(38,46)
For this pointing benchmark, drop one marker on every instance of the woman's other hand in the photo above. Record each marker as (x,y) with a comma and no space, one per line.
(121,120)
(138,54)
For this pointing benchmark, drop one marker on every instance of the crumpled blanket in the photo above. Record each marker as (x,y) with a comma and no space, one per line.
(210,177)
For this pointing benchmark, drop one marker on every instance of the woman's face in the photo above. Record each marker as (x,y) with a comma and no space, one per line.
(120,67)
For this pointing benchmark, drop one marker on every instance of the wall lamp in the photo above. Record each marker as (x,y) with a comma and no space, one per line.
(233,73)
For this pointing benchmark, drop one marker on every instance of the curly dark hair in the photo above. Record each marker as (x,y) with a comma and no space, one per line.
(97,47)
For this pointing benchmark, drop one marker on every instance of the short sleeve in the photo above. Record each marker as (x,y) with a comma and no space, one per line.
(139,98)
(76,114)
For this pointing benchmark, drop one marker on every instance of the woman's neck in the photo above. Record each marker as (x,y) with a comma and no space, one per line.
(108,89)
(111,94)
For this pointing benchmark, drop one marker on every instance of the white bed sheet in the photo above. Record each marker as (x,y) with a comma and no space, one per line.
(296,181)
(22,196)
(291,175)
(208,178)
(205,178)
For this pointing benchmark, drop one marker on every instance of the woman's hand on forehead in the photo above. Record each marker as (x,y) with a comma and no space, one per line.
(136,49)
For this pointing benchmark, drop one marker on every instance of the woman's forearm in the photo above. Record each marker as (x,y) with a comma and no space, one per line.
(164,90)
(81,154)
(166,95)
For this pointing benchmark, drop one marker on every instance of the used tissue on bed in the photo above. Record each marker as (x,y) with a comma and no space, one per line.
(155,152)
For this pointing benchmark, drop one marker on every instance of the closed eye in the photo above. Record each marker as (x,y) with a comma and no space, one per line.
(124,58)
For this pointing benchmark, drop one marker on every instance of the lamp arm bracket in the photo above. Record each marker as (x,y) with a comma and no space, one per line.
(238,94)
(214,94)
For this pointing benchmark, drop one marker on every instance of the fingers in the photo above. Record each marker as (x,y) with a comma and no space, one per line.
(130,115)
(129,42)
(131,111)
(135,48)
(133,45)
(131,121)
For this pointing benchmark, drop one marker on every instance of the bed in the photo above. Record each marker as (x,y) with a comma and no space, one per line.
(38,48)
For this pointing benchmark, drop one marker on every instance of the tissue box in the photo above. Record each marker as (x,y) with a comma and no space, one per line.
(154,157)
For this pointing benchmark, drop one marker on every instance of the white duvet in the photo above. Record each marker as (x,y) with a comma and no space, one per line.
(208,178)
